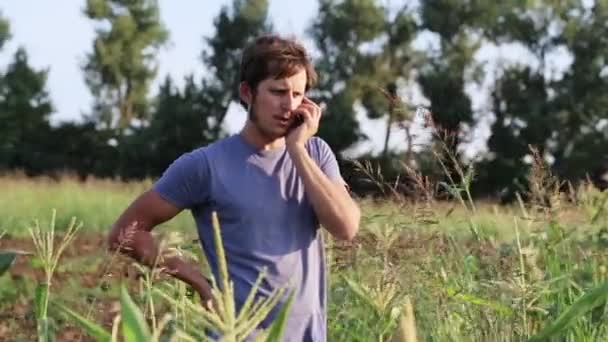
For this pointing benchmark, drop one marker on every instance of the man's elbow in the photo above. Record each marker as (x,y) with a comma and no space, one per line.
(350,234)
(353,230)
(349,228)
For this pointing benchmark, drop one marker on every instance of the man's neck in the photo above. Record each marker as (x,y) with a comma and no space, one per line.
(259,140)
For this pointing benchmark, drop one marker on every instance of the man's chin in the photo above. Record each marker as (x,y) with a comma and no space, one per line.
(275,134)
(280,135)
(279,132)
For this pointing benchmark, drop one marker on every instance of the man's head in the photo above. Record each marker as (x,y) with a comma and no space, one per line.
(275,74)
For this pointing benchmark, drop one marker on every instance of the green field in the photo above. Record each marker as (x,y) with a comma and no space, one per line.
(473,271)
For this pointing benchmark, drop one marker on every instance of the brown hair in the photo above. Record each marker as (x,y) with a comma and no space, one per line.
(274,56)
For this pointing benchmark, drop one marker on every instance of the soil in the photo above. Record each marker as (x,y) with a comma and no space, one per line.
(17,319)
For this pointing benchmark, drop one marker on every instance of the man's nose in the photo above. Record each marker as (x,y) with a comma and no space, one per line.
(289,102)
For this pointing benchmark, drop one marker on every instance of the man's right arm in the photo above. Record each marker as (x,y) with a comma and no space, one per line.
(131,235)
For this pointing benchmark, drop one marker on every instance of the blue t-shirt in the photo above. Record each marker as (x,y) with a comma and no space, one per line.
(265,218)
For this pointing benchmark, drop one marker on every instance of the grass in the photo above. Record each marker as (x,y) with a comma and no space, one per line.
(96,202)
(496,273)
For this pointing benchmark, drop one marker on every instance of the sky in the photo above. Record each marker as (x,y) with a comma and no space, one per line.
(57,36)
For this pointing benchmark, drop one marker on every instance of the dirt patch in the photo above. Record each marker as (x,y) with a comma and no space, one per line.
(405,244)
(17,320)
(72,334)
(83,244)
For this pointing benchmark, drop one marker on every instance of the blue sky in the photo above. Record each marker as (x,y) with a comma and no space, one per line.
(56,35)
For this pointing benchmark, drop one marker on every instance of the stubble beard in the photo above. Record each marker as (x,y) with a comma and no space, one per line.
(253,117)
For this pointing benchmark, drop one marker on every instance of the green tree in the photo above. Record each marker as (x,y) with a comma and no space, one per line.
(561,116)
(25,108)
(180,122)
(178,125)
(364,54)
(187,118)
(446,72)
(193,116)
(235,27)
(505,171)
(5,31)
(580,103)
(387,69)
(80,149)
(122,64)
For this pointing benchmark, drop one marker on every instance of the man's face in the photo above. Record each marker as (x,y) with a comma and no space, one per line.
(274,102)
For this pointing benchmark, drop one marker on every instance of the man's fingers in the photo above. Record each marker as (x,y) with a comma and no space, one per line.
(307,100)
(307,116)
(311,108)
(315,106)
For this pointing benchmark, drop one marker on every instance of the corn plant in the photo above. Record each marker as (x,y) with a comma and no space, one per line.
(130,320)
(93,329)
(568,317)
(222,320)
(44,243)
(406,331)
(6,260)
(7,257)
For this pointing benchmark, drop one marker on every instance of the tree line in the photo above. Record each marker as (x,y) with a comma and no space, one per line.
(369,58)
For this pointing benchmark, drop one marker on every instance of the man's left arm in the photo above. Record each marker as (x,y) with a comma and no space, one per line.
(332,203)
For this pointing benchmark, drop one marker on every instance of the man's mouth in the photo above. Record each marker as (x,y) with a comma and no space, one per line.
(282,120)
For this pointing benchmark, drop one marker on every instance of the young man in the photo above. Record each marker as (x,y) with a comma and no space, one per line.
(271,186)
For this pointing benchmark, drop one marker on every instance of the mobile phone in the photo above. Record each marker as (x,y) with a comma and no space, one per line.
(297,121)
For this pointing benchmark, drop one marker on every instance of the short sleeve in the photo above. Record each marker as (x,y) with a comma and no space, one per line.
(325,158)
(185,183)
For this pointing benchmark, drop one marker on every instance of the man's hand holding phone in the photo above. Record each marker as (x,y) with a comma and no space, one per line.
(306,123)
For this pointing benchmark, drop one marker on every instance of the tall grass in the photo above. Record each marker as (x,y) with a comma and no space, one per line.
(532,269)
(222,320)
(97,202)
(466,270)
(48,251)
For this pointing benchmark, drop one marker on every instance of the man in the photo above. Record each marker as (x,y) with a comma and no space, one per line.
(271,186)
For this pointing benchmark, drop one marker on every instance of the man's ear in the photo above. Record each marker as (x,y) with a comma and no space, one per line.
(245,93)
